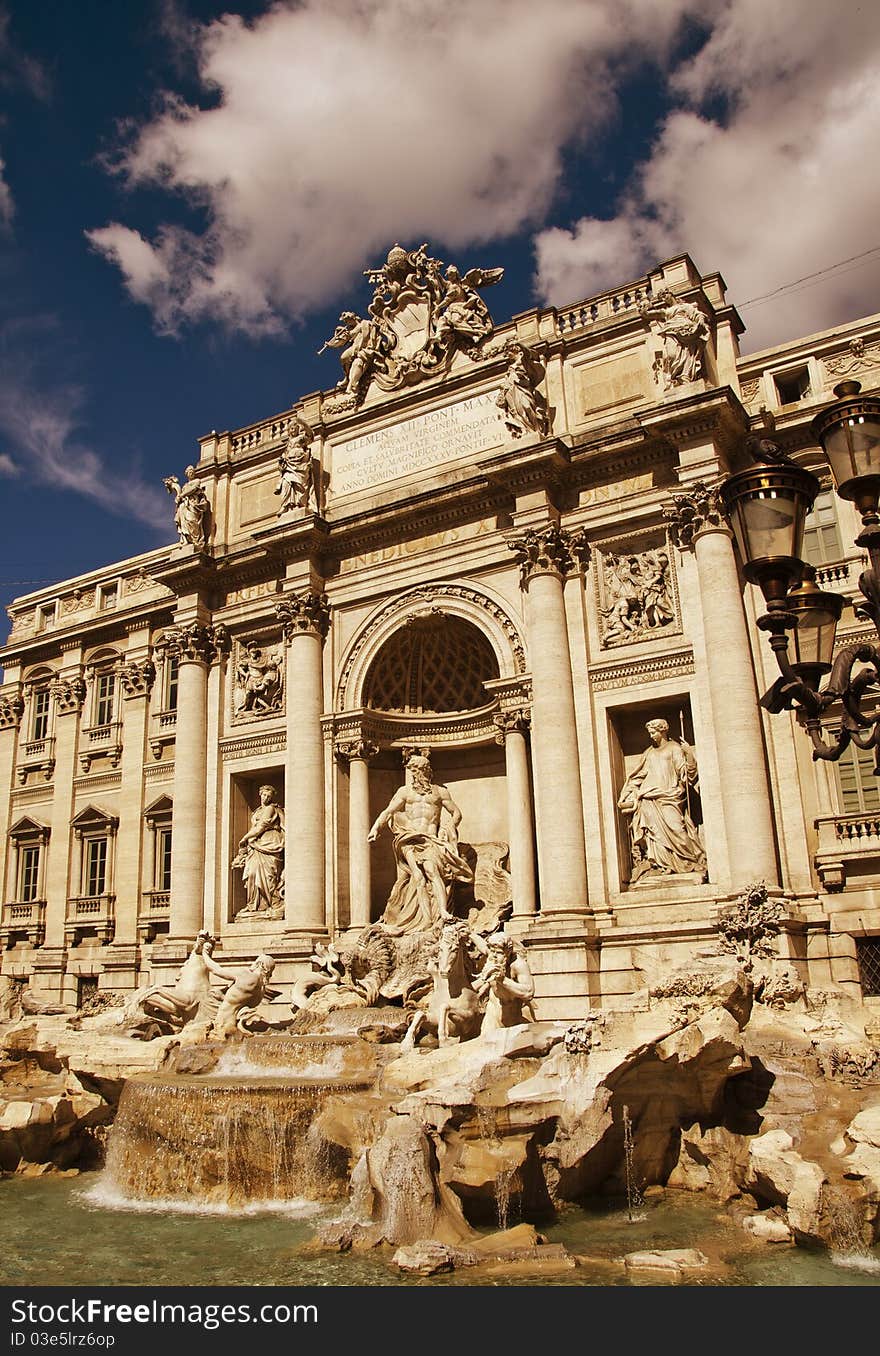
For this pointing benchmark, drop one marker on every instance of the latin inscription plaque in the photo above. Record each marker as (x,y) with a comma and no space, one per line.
(465,429)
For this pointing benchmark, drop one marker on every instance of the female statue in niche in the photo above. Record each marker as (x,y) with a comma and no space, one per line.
(663,836)
(260,858)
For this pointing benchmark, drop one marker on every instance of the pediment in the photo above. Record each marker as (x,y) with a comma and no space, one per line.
(93,817)
(29,828)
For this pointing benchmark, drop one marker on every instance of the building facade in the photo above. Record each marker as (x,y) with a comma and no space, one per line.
(503,546)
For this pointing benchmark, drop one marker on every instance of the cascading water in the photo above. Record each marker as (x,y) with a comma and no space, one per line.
(241,1134)
(846,1231)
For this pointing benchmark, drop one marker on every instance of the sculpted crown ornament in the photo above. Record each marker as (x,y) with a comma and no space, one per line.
(694,512)
(420,316)
(194,641)
(11,708)
(549,550)
(304,613)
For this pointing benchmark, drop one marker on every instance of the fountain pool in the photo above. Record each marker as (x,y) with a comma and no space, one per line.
(75,1232)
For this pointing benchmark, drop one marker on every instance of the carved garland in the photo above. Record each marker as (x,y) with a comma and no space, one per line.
(416,600)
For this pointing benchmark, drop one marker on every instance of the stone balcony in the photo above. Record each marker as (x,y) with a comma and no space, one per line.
(36,755)
(23,920)
(849,847)
(163,729)
(155,910)
(90,913)
(100,741)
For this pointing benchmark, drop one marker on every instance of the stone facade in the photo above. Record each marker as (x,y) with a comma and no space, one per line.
(509,555)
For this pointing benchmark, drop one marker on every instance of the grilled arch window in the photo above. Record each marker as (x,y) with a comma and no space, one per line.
(434,663)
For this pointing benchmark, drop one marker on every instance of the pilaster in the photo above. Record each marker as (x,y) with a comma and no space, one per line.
(305,618)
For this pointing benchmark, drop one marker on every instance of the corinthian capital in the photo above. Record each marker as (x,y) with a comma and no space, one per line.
(696,511)
(69,694)
(304,613)
(136,677)
(511,722)
(204,644)
(11,708)
(549,550)
(355,748)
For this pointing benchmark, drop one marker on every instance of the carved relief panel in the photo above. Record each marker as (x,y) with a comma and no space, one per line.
(636,591)
(258,678)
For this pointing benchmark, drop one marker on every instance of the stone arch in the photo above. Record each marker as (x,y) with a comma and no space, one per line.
(489,616)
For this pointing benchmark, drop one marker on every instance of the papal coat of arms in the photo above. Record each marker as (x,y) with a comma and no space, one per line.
(422,314)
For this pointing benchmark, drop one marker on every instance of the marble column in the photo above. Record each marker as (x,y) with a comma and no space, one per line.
(195,646)
(306,619)
(358,752)
(512,726)
(696,521)
(545,557)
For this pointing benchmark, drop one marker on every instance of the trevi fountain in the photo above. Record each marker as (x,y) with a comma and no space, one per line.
(400,1117)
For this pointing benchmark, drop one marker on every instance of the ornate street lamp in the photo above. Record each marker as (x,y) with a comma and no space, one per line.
(766,506)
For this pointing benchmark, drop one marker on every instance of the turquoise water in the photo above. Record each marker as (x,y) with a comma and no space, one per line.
(65,1231)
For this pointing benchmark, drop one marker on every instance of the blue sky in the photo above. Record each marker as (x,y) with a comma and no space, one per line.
(189,193)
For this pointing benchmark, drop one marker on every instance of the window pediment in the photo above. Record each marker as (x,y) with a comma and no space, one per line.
(29,828)
(94,820)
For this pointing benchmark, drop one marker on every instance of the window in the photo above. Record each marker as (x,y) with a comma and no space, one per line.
(108,596)
(40,713)
(26,860)
(822,542)
(859,787)
(94,867)
(868,957)
(171,690)
(105,692)
(95,831)
(28,874)
(163,859)
(792,386)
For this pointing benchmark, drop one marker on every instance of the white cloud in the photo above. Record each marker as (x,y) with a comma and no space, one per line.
(42,425)
(7,207)
(781,185)
(339,126)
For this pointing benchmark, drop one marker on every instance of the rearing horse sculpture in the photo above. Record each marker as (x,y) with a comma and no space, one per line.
(452,1008)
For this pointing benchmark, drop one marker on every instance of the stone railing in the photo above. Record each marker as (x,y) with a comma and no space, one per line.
(163,730)
(87,912)
(834,573)
(101,740)
(603,307)
(37,755)
(24,920)
(259,435)
(843,840)
(155,909)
